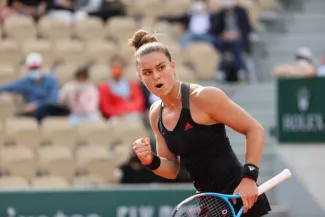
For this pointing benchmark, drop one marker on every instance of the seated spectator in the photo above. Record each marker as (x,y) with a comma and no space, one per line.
(103,9)
(33,9)
(39,89)
(303,66)
(120,96)
(134,172)
(64,10)
(197,23)
(232,27)
(81,97)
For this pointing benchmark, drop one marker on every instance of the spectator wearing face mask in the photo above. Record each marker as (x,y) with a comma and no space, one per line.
(120,96)
(197,22)
(302,67)
(81,97)
(231,25)
(38,88)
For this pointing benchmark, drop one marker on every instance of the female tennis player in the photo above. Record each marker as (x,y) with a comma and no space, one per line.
(189,122)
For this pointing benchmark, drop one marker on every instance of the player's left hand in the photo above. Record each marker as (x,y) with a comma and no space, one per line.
(248,191)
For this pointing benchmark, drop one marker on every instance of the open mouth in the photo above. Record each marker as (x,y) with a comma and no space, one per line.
(159,85)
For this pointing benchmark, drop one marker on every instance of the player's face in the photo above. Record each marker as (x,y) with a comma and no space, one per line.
(157,73)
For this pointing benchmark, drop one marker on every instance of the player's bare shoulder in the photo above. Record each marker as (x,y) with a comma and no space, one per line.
(204,93)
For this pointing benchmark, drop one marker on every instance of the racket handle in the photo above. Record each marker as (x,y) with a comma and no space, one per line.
(284,175)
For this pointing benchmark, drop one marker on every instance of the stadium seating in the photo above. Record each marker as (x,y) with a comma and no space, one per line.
(89,154)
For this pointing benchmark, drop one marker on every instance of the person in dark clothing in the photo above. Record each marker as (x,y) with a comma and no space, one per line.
(189,126)
(33,8)
(231,25)
(133,172)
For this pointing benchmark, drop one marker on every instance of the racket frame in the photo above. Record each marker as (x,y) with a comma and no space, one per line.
(284,175)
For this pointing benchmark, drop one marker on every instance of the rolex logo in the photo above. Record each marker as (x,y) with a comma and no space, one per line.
(303,99)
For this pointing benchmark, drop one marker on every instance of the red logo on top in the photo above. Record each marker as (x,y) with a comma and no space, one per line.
(188,126)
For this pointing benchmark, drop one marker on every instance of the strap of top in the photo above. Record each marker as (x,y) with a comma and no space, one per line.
(185,88)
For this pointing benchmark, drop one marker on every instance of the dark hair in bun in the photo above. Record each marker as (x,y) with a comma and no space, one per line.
(145,43)
(140,38)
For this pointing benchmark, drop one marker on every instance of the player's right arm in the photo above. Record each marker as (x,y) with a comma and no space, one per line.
(169,163)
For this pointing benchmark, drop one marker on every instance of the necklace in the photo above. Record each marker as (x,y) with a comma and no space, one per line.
(179,92)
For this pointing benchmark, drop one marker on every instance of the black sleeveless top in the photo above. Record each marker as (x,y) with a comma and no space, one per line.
(205,152)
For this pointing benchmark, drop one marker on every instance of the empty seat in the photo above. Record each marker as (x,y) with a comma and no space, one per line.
(65,72)
(122,153)
(22,131)
(178,7)
(7,73)
(57,160)
(88,181)
(7,106)
(204,58)
(20,28)
(19,161)
(91,28)
(58,131)
(13,182)
(100,51)
(120,28)
(127,135)
(49,182)
(185,74)
(71,51)
(54,30)
(125,51)
(97,160)
(146,8)
(99,73)
(94,132)
(10,52)
(131,72)
(1,136)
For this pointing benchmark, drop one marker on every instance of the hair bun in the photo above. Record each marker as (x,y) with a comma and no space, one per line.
(140,38)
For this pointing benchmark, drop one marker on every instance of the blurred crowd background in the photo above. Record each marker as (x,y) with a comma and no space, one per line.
(71,103)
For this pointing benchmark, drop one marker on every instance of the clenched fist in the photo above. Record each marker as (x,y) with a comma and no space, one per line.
(142,149)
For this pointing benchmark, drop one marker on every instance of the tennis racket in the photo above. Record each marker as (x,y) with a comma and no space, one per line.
(218,205)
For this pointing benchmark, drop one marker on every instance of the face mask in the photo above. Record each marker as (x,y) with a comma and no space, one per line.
(35,74)
(116,71)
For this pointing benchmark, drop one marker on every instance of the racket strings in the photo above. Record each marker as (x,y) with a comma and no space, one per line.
(204,206)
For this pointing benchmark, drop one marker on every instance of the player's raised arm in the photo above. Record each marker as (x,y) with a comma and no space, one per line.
(165,163)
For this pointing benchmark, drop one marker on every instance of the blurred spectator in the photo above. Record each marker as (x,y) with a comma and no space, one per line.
(197,23)
(81,97)
(39,89)
(103,9)
(120,96)
(303,67)
(33,8)
(134,172)
(64,10)
(232,27)
(321,68)
(5,10)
